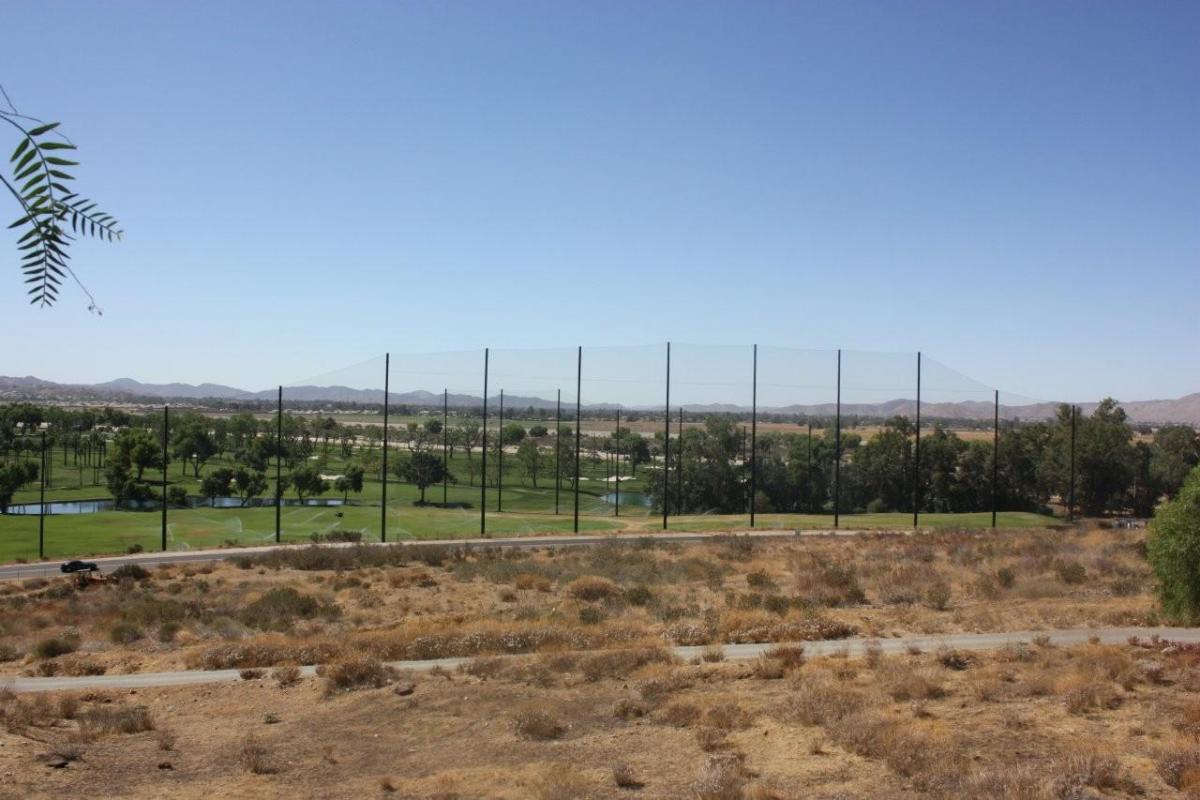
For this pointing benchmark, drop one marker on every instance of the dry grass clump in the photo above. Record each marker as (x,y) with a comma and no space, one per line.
(255,757)
(538,725)
(528,581)
(1092,695)
(721,778)
(356,673)
(1096,768)
(748,627)
(819,699)
(286,675)
(562,783)
(592,588)
(1178,765)
(828,582)
(680,714)
(903,682)
(620,663)
(116,719)
(625,778)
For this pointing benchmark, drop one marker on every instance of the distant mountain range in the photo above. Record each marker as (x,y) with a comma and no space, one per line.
(1184,410)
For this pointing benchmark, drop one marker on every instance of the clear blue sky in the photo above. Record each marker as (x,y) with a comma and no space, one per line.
(1011,187)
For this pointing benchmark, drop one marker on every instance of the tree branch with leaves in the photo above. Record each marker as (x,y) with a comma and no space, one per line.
(39,183)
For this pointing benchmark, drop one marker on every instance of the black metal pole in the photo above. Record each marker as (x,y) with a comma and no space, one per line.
(42,504)
(837,446)
(808,472)
(679,474)
(445,446)
(483,482)
(500,457)
(1071,489)
(667,441)
(617,465)
(387,375)
(166,436)
(279,462)
(995,452)
(557,447)
(754,435)
(917,452)
(578,422)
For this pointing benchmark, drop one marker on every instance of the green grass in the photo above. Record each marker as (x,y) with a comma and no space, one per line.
(116,531)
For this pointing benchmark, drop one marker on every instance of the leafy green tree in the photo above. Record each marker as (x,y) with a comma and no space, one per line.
(351,480)
(538,431)
(1173,549)
(433,426)
(192,442)
(12,478)
(47,205)
(249,483)
(307,482)
(1176,453)
(217,484)
(136,450)
(532,462)
(243,428)
(469,435)
(423,469)
(512,433)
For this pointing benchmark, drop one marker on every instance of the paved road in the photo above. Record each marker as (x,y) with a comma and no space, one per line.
(733,652)
(9,572)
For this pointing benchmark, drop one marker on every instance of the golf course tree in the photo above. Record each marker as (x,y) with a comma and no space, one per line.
(50,214)
(532,460)
(469,435)
(192,442)
(217,483)
(307,482)
(564,443)
(422,469)
(12,477)
(243,429)
(512,433)
(1173,549)
(249,483)
(351,480)
(136,450)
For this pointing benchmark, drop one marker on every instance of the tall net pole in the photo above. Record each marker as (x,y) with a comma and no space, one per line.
(679,474)
(279,459)
(917,453)
(754,435)
(995,451)
(557,447)
(500,457)
(445,446)
(837,450)
(42,503)
(166,435)
(1071,488)
(617,465)
(483,481)
(667,441)
(387,374)
(578,423)
(808,472)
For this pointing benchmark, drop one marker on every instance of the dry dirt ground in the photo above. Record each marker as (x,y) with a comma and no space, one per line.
(591,705)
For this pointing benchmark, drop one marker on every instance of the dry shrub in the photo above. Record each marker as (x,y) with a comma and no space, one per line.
(628,708)
(166,740)
(791,656)
(116,719)
(954,659)
(908,750)
(770,669)
(356,673)
(656,689)
(527,581)
(592,588)
(484,668)
(68,706)
(710,738)
(712,654)
(250,674)
(1179,764)
(620,663)
(748,627)
(562,783)
(266,652)
(286,675)
(901,584)
(680,715)
(822,582)
(1092,767)
(903,682)
(624,777)
(1091,696)
(255,757)
(537,725)
(729,717)
(820,699)
(721,778)
(1012,782)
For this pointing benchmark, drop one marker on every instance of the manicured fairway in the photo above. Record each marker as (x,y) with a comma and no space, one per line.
(117,531)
